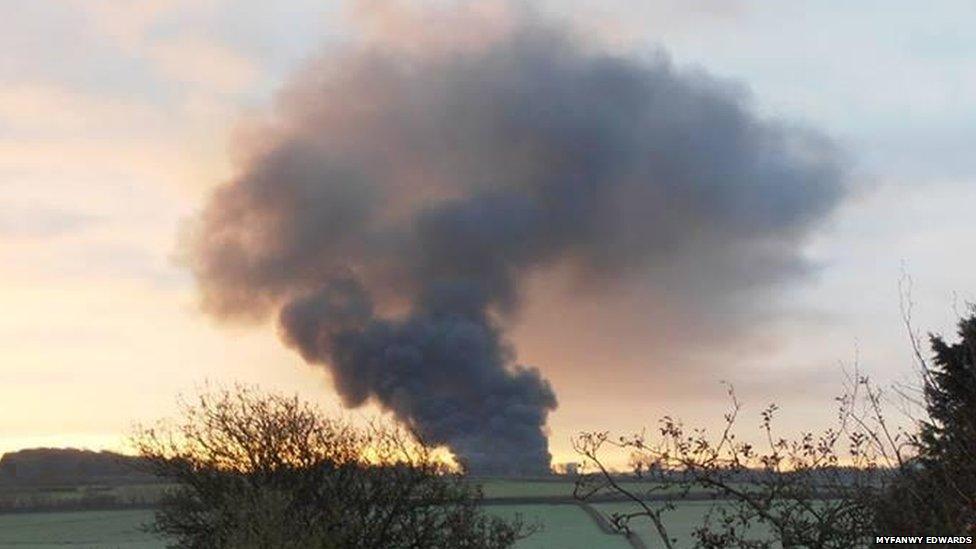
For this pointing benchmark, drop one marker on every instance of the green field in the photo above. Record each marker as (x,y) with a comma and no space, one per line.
(514,488)
(147,494)
(81,529)
(562,525)
(503,488)
(33,497)
(680,522)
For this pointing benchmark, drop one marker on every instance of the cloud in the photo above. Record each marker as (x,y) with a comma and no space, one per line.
(48,111)
(203,63)
(126,22)
(43,223)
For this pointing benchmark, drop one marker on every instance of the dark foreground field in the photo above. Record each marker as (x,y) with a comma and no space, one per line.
(563,522)
(565,526)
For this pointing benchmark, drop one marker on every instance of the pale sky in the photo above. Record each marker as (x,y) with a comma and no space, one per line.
(117,117)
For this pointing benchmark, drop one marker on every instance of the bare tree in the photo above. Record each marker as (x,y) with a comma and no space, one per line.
(838,488)
(265,470)
(789,493)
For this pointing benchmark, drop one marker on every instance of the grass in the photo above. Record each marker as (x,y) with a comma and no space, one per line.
(562,525)
(147,494)
(13,498)
(514,488)
(680,522)
(501,488)
(80,529)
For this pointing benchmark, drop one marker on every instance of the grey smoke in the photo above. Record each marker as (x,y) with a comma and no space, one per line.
(390,215)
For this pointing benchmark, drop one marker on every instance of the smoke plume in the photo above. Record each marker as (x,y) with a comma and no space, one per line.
(390,214)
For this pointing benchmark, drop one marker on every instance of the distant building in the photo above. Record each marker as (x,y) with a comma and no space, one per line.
(568,469)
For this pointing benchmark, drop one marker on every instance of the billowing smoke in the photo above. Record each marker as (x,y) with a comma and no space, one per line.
(391,212)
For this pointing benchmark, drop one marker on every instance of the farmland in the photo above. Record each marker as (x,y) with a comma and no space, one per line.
(84,497)
(561,525)
(565,526)
(545,503)
(81,529)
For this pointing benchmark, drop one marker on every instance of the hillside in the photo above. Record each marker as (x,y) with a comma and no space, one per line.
(69,466)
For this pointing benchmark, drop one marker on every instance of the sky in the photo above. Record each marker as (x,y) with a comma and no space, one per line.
(117,120)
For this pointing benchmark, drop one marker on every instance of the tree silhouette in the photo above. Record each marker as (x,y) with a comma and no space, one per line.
(255,470)
(936,493)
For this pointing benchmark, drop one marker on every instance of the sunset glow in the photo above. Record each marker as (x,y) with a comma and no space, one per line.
(119,119)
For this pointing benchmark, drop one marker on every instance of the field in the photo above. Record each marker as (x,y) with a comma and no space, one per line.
(79,497)
(680,523)
(550,488)
(77,529)
(563,526)
(547,504)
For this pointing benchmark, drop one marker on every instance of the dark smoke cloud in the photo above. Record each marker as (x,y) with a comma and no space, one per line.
(391,215)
